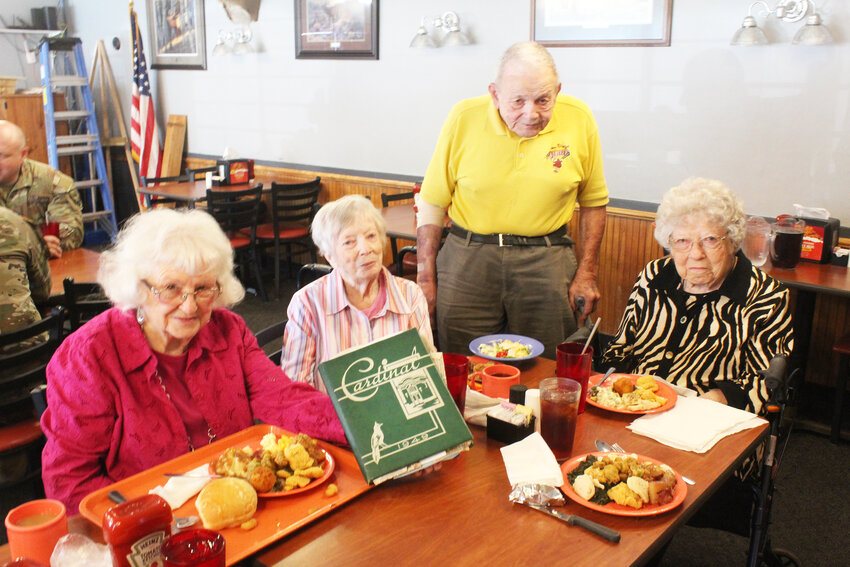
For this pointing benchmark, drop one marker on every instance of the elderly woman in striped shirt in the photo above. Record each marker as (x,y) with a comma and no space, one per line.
(704,317)
(358,302)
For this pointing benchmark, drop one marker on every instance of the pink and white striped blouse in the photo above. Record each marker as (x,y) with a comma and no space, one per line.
(322,323)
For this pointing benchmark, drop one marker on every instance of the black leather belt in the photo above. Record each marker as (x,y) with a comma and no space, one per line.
(556,238)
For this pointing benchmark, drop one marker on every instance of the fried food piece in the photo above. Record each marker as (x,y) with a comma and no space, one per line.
(294,482)
(625,496)
(311,472)
(623,386)
(647,383)
(312,447)
(331,490)
(298,457)
(262,479)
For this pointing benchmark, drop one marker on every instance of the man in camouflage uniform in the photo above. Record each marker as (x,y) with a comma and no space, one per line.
(31,189)
(24,272)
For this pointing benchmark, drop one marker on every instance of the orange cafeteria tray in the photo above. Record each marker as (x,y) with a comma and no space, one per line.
(276,517)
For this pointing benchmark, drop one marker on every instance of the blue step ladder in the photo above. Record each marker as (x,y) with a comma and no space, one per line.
(63,70)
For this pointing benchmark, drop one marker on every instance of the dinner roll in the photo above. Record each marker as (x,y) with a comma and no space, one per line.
(226,502)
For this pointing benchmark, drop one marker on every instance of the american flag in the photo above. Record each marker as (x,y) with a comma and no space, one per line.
(144,135)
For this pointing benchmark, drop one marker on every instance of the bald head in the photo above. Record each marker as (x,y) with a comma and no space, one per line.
(526,88)
(11,134)
(13,150)
(527,55)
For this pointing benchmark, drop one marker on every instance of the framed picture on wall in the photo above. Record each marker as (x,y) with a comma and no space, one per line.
(332,29)
(177,38)
(599,23)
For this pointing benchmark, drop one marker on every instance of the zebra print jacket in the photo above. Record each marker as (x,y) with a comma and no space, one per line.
(714,340)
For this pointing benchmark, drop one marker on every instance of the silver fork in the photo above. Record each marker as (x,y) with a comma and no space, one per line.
(616,447)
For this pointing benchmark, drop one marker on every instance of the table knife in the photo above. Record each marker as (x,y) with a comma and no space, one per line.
(573,520)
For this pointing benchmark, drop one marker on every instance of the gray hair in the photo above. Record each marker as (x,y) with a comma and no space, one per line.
(707,198)
(335,216)
(529,53)
(190,241)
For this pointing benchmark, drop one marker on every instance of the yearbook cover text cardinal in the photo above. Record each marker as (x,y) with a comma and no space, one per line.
(395,408)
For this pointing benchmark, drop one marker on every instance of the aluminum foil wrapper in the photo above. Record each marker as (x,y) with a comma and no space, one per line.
(533,493)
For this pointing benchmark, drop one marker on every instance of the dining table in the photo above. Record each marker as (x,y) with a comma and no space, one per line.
(189,193)
(400,220)
(78,263)
(461,514)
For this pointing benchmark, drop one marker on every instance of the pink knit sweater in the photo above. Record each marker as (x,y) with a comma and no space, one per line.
(109,418)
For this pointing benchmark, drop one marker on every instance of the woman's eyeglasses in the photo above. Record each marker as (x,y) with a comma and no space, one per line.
(706,243)
(173,293)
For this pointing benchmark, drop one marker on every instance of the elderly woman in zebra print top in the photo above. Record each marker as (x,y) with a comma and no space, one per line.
(704,317)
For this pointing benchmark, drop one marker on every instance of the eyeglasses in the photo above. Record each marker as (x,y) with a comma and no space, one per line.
(706,243)
(174,294)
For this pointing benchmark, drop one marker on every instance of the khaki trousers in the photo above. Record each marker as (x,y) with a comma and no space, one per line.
(484,289)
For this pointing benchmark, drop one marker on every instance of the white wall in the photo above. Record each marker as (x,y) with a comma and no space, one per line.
(772,122)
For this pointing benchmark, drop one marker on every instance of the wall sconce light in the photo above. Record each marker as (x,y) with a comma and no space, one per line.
(449,23)
(813,33)
(237,41)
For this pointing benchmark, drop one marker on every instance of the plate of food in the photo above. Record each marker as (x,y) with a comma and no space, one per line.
(622,484)
(631,394)
(506,347)
(281,465)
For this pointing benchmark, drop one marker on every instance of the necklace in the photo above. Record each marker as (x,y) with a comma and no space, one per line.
(210,433)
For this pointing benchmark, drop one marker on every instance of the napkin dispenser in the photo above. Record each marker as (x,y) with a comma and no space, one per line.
(507,432)
(819,239)
(235,171)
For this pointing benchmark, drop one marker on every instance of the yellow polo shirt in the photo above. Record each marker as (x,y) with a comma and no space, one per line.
(494,181)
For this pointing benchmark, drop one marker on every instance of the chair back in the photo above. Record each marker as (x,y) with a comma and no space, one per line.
(294,202)
(273,334)
(145,181)
(236,210)
(23,369)
(83,301)
(200,172)
(399,255)
(310,273)
(387,198)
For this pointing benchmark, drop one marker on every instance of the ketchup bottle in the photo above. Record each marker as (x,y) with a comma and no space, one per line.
(136,529)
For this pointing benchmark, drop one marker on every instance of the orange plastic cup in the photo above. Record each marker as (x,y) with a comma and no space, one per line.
(496,380)
(34,528)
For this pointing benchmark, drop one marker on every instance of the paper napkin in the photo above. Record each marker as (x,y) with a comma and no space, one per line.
(476,407)
(179,489)
(531,461)
(694,424)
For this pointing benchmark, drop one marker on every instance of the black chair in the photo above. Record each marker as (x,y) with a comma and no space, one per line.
(82,302)
(310,273)
(153,200)
(200,172)
(273,334)
(237,213)
(404,260)
(22,370)
(293,208)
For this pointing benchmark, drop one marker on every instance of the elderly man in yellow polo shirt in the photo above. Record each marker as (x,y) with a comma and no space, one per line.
(509,169)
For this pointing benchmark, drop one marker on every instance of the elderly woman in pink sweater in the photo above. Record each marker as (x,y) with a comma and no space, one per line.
(169,368)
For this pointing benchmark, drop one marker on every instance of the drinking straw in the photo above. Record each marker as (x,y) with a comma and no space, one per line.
(590,336)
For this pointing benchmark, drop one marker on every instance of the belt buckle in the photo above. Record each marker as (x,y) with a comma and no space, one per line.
(501,243)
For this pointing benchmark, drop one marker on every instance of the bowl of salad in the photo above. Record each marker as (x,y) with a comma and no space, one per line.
(506,347)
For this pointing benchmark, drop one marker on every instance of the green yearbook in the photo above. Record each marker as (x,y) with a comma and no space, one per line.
(395,408)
